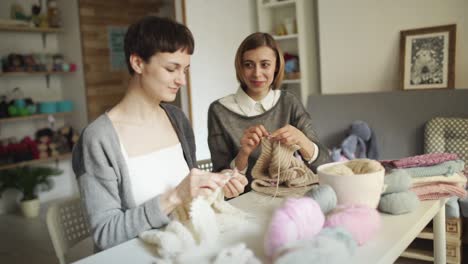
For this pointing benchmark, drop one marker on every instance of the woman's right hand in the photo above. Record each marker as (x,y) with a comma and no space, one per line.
(252,138)
(196,183)
(199,182)
(249,142)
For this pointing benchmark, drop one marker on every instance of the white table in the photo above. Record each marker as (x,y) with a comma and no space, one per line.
(394,236)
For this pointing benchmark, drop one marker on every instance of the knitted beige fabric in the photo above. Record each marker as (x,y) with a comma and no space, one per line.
(295,178)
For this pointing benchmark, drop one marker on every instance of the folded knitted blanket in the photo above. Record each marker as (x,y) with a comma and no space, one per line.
(278,172)
(445,168)
(456,178)
(438,190)
(420,160)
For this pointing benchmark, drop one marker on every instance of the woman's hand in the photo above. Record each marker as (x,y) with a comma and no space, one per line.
(236,184)
(249,142)
(289,135)
(196,183)
(252,138)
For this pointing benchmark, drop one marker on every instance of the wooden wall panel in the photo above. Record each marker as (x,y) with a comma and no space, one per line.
(104,88)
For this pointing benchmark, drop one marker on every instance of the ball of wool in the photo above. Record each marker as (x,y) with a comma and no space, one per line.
(360,220)
(398,203)
(339,169)
(397,181)
(364,166)
(297,219)
(324,195)
(331,245)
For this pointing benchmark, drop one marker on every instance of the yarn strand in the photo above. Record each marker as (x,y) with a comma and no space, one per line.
(279,165)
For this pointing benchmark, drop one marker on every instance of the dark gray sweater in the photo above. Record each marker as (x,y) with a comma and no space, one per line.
(103,180)
(225,130)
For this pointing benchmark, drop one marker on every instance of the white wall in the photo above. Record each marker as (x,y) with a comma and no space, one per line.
(359,40)
(218,27)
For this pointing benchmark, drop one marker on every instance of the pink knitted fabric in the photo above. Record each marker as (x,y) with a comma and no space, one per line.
(437,190)
(420,160)
(360,220)
(297,219)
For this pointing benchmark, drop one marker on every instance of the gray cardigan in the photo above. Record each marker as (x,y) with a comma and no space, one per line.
(225,129)
(103,180)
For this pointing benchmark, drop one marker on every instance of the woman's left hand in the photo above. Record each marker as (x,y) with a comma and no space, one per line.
(236,185)
(289,135)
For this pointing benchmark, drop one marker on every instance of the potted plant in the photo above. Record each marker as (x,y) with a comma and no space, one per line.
(30,181)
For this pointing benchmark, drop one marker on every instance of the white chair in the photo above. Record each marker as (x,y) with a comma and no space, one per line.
(69,230)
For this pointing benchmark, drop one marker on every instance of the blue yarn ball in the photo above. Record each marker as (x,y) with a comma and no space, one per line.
(324,195)
(398,203)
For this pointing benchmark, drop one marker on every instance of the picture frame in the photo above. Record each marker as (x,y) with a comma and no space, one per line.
(427,57)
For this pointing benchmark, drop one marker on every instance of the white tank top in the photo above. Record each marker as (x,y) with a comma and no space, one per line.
(156,172)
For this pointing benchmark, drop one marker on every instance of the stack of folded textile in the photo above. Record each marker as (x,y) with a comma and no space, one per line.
(434,176)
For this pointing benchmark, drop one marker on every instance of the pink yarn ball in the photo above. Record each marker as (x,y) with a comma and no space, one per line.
(297,219)
(360,220)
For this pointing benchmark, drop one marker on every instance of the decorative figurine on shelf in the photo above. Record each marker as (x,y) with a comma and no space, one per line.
(53,13)
(17,13)
(280,30)
(29,63)
(3,107)
(30,106)
(73,67)
(4,157)
(18,105)
(40,60)
(14,63)
(43,139)
(57,62)
(70,135)
(33,152)
(44,22)
(35,11)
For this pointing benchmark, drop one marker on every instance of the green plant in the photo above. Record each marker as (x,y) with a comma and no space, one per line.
(30,180)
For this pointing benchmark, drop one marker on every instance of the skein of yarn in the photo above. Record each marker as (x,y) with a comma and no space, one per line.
(399,203)
(331,246)
(297,219)
(360,220)
(324,195)
(397,181)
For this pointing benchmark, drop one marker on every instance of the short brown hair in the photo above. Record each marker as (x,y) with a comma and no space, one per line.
(153,34)
(254,41)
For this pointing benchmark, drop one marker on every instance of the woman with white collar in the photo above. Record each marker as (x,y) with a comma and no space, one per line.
(238,122)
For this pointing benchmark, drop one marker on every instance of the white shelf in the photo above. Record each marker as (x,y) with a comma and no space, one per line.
(35,161)
(277,3)
(285,37)
(32,117)
(16,28)
(273,16)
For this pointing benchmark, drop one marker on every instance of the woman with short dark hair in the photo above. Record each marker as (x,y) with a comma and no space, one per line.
(136,163)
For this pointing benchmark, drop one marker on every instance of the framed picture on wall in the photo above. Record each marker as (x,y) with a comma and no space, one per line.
(427,57)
